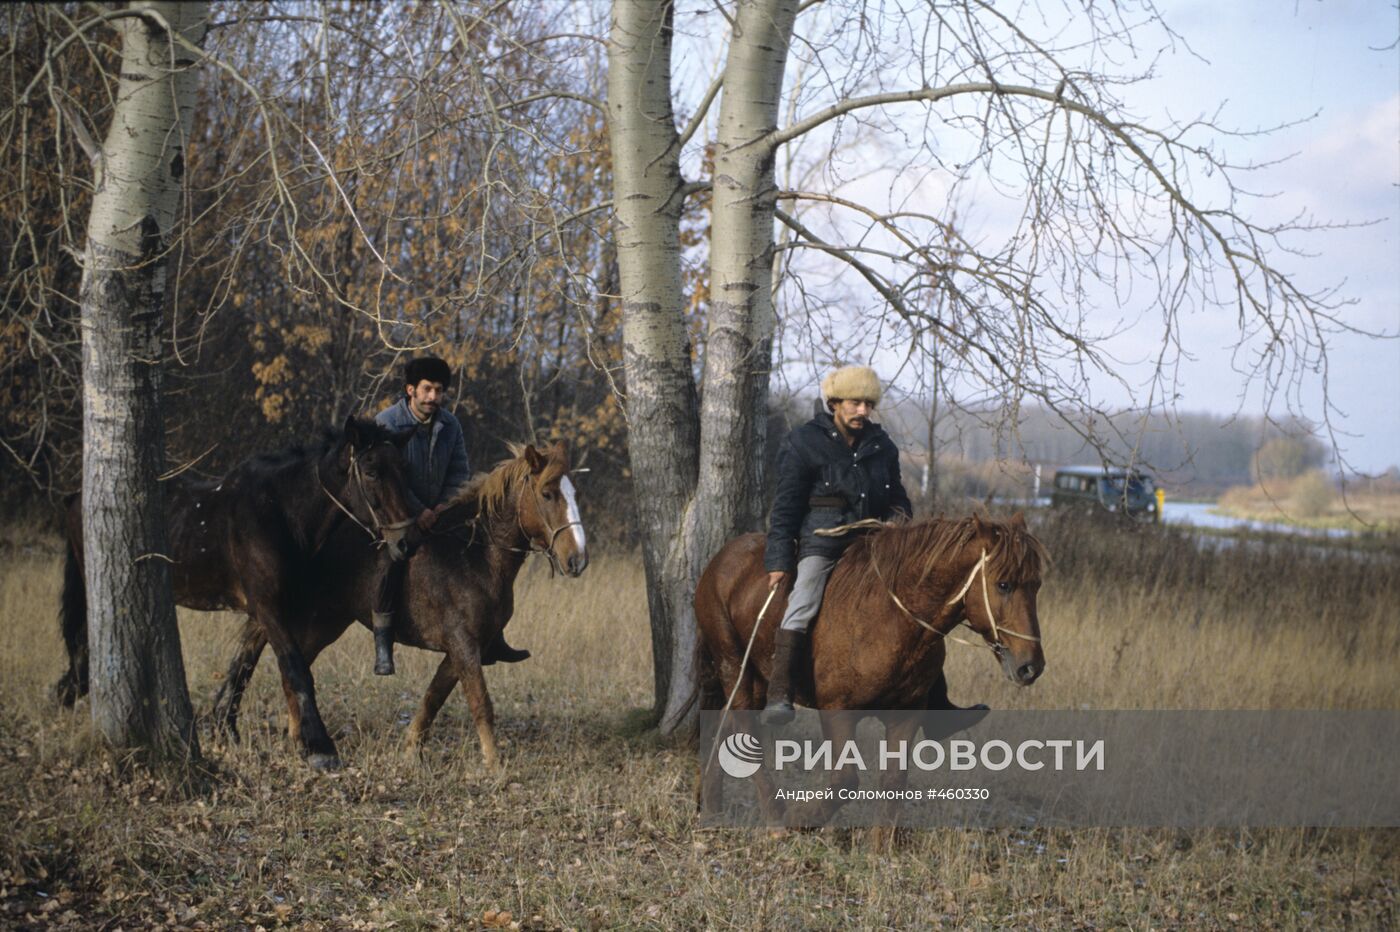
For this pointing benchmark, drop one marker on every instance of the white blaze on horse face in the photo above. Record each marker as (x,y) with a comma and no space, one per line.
(566,485)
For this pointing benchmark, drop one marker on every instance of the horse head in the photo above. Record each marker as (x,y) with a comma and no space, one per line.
(547,508)
(370,462)
(999,594)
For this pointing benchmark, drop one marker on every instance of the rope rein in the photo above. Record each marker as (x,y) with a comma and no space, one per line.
(743,665)
(946,635)
(554,532)
(358,476)
(980,568)
(547,549)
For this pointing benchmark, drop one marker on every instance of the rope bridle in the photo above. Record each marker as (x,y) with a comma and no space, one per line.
(358,476)
(554,532)
(995,642)
(547,549)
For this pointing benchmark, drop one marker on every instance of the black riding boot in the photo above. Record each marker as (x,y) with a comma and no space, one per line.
(789,650)
(387,598)
(383,644)
(500,650)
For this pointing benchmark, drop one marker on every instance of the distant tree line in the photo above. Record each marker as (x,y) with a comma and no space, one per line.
(1193,453)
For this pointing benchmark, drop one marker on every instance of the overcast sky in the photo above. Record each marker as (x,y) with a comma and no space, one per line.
(1275,61)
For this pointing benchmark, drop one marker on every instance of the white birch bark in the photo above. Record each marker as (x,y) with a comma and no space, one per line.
(663,426)
(739,346)
(138,690)
(693,494)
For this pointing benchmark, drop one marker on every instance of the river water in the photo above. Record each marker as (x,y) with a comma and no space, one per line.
(1200,514)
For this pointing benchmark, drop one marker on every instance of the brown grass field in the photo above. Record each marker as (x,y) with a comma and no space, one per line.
(592,823)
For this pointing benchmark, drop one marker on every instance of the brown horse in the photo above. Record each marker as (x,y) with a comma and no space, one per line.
(238,543)
(879,641)
(458,593)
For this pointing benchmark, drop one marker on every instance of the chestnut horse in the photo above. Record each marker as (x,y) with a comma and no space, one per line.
(458,593)
(879,640)
(239,542)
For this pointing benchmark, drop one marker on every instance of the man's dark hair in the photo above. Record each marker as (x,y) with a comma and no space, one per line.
(427,367)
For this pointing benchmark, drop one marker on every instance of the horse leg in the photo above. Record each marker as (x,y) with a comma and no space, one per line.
(229,698)
(707,778)
(438,691)
(303,717)
(901,730)
(465,654)
(72,616)
(837,730)
(938,698)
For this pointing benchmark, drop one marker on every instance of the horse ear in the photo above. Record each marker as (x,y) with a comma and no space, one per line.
(978,527)
(352,431)
(533,457)
(1018,521)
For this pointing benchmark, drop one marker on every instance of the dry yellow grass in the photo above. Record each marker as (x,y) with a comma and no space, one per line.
(592,823)
(1285,501)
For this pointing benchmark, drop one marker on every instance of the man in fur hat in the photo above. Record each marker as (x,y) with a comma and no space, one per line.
(436,467)
(838,468)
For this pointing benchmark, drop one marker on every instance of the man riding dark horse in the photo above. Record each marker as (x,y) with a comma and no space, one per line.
(838,468)
(436,470)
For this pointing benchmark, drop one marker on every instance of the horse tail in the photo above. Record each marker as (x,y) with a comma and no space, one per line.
(707,677)
(72,620)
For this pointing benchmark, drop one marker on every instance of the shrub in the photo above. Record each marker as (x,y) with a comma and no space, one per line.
(1312,494)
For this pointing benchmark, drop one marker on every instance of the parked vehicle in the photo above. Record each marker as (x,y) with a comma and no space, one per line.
(1122,490)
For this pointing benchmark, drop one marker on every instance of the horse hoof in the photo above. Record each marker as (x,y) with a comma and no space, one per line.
(64,695)
(777,716)
(327,763)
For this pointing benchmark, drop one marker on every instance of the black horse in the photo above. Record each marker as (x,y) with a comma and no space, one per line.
(241,542)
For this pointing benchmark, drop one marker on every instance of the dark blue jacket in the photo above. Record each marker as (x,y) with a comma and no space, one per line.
(435,459)
(824,483)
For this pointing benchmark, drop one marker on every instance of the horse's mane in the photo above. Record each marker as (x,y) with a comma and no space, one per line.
(911,552)
(487,493)
(261,464)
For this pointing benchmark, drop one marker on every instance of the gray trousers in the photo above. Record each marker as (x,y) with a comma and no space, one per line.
(807,589)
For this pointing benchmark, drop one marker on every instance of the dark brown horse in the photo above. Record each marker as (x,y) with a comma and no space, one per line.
(459,589)
(879,641)
(238,543)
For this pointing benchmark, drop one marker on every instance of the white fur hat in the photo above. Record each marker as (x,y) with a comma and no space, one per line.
(857,383)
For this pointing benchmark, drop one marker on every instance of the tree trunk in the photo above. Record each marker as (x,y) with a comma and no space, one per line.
(693,496)
(139,695)
(663,426)
(739,346)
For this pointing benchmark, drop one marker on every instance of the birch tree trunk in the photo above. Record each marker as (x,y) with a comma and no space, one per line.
(698,474)
(739,346)
(663,426)
(139,694)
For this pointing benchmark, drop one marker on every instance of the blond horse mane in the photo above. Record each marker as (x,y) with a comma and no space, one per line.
(915,550)
(487,494)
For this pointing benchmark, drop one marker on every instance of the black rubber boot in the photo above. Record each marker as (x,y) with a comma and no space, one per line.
(500,650)
(383,644)
(789,650)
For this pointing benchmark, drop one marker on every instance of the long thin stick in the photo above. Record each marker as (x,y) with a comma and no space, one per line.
(740,678)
